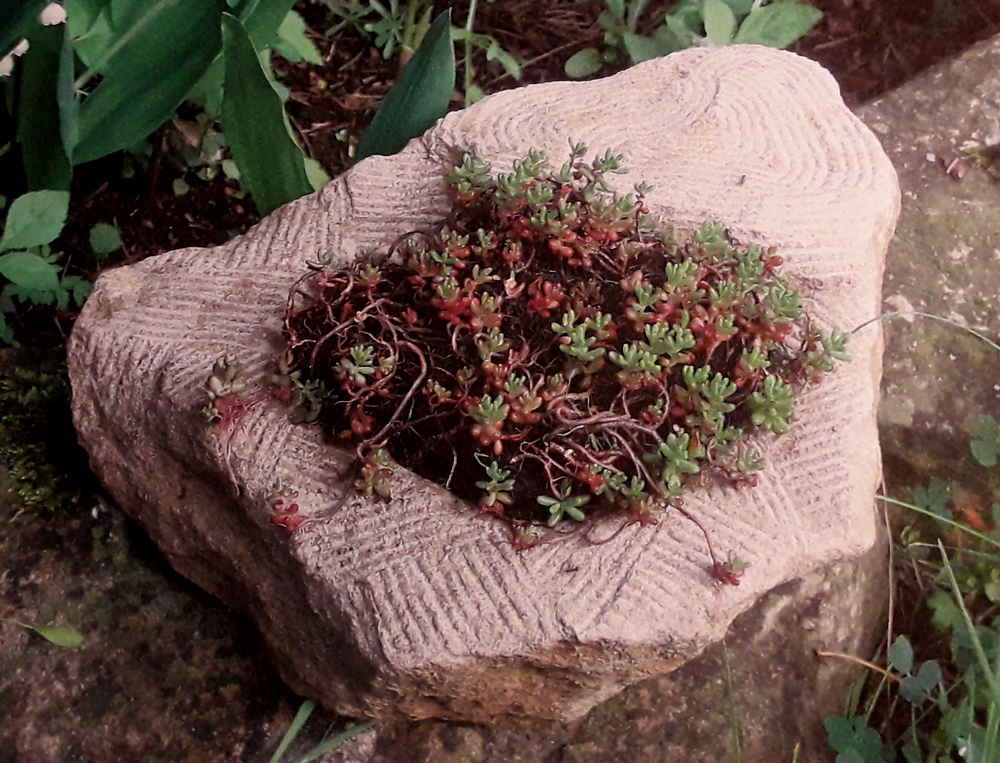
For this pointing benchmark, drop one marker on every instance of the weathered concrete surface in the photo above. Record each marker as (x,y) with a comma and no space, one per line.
(436,616)
(944,259)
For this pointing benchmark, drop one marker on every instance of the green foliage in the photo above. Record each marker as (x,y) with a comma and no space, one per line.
(119,70)
(270,161)
(418,98)
(934,498)
(26,261)
(104,239)
(393,27)
(400,27)
(691,23)
(34,219)
(563,505)
(318,751)
(985,445)
(292,42)
(950,707)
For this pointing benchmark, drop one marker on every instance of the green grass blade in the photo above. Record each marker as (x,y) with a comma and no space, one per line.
(943,520)
(420,96)
(932,316)
(977,645)
(305,710)
(253,117)
(154,65)
(335,742)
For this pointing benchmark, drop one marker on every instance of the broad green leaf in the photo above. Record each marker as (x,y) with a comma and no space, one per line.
(69,107)
(262,19)
(38,119)
(851,737)
(314,173)
(420,96)
(584,63)
(207,91)
(34,219)
(104,238)
(919,687)
(946,613)
(685,34)
(641,48)
(935,497)
(17,18)
(901,654)
(70,638)
(720,22)
(253,119)
(617,8)
(778,24)
(740,7)
(292,42)
(79,287)
(150,68)
(29,271)
(89,24)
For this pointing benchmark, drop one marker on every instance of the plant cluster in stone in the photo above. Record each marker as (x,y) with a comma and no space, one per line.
(549,352)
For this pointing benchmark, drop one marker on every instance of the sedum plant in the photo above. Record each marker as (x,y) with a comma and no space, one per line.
(550,352)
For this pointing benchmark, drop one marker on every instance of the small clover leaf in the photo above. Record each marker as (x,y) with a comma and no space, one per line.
(985,444)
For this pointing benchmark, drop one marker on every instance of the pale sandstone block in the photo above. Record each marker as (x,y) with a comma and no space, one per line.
(417,607)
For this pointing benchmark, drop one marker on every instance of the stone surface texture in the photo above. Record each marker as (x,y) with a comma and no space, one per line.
(944,260)
(416,608)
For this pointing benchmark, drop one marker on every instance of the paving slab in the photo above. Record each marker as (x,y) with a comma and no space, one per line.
(944,260)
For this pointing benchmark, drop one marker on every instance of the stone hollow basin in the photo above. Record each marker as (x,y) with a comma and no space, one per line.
(415,607)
